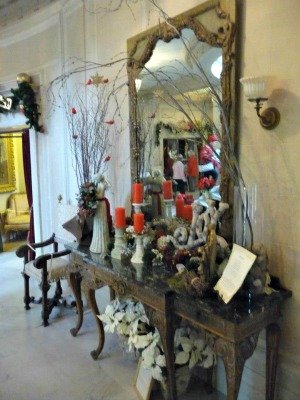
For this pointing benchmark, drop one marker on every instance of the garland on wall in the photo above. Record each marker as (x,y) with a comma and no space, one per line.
(23,100)
(202,128)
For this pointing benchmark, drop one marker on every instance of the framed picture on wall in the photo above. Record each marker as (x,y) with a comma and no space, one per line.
(143,382)
(7,165)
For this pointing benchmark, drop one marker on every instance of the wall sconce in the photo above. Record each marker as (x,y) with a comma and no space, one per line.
(254,89)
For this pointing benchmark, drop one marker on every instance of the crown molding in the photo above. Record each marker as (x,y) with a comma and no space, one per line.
(36,23)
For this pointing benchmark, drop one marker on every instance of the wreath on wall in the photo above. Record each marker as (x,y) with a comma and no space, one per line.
(23,100)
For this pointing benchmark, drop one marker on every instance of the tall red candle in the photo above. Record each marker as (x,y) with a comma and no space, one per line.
(120,220)
(138,222)
(188,212)
(137,193)
(167,190)
(179,204)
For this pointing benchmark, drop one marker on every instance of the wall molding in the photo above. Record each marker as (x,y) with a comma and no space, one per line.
(36,23)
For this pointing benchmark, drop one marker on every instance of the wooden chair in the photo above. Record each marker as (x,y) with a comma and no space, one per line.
(47,268)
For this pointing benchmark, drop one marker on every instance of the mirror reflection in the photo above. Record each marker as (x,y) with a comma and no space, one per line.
(179,118)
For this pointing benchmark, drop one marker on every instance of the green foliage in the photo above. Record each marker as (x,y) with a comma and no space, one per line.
(87,199)
(24,97)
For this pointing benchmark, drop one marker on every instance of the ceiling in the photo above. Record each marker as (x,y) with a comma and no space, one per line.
(14,10)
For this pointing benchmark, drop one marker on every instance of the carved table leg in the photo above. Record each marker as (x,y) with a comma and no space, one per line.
(209,380)
(234,366)
(90,294)
(272,342)
(112,294)
(164,322)
(234,356)
(75,283)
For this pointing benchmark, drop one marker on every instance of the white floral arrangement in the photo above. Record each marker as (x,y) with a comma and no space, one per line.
(163,241)
(123,316)
(191,349)
(158,257)
(128,318)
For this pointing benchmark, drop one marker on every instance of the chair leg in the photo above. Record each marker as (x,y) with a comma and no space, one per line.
(54,301)
(58,291)
(27,298)
(45,286)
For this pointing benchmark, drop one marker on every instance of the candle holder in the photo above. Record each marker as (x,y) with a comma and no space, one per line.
(137,257)
(168,207)
(137,207)
(119,243)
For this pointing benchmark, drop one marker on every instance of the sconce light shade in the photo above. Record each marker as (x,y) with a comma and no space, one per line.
(255,91)
(254,87)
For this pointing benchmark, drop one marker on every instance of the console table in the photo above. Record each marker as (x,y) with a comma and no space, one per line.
(232,330)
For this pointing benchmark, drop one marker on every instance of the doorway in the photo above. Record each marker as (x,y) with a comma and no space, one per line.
(15,188)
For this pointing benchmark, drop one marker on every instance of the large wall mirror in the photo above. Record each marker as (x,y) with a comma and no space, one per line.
(180,72)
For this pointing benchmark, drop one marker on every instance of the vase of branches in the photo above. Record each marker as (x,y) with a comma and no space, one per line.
(90,130)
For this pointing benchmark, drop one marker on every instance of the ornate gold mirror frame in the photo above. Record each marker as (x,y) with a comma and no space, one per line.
(212,22)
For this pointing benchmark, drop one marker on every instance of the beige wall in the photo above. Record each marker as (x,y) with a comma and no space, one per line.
(270,159)
(270,42)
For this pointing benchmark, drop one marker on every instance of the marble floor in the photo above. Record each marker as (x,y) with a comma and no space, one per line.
(38,363)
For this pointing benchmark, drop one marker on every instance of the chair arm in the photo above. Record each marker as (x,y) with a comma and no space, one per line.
(22,250)
(41,261)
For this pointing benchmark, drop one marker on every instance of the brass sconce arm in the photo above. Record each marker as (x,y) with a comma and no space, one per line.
(270,117)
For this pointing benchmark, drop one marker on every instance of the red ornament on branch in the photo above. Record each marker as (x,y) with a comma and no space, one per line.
(110,122)
(73,110)
(107,158)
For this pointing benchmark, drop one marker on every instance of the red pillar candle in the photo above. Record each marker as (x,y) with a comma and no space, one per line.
(179,204)
(137,193)
(120,220)
(188,212)
(167,190)
(138,222)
